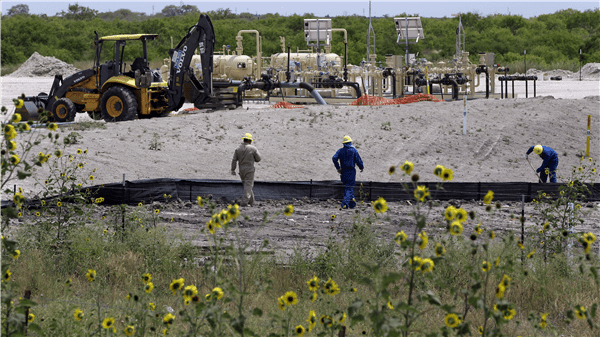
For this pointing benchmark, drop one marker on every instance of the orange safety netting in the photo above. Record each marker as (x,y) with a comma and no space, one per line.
(374,100)
(286,105)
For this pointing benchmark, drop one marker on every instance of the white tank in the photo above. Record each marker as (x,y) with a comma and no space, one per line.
(301,61)
(233,67)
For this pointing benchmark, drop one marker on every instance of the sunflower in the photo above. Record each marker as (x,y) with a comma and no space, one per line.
(290,298)
(168,319)
(580,312)
(18,104)
(390,305)
(327,321)
(176,285)
(331,287)
(407,167)
(288,210)
(456,228)
(437,171)
(200,201)
(91,178)
(281,303)
(439,249)
(16,254)
(313,283)
(423,240)
(146,278)
(6,276)
(78,151)
(509,313)
(447,174)
(148,287)
(461,215)
(312,320)
(233,211)
(487,199)
(451,320)
(108,322)
(91,275)
(211,227)
(380,205)
(332,217)
(299,330)
(30,318)
(500,291)
(400,237)
(151,306)
(530,255)
(78,314)
(486,266)
(392,170)
(129,330)
(427,265)
(450,213)
(421,193)
(216,292)
(313,297)
(543,322)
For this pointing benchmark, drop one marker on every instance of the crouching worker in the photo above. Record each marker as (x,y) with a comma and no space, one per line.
(549,164)
(348,157)
(246,154)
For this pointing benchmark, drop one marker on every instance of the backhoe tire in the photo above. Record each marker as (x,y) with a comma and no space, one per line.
(63,110)
(118,104)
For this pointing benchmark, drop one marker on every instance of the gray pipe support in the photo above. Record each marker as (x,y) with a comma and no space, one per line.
(315,94)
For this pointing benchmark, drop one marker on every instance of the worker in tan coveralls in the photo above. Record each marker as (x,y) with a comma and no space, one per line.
(247,155)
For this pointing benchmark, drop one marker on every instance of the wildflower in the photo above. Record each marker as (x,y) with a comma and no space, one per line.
(91,275)
(14,159)
(78,151)
(289,209)
(505,280)
(500,291)
(392,170)
(390,305)
(439,249)
(456,228)
(423,240)
(30,318)
(543,322)
(129,330)
(437,171)
(478,229)
(380,205)
(140,204)
(290,298)
(91,178)
(589,237)
(312,320)
(151,306)
(16,254)
(99,200)
(200,201)
(108,322)
(480,330)
(18,104)
(509,313)
(146,278)
(59,204)
(80,165)
(11,146)
(78,314)
(211,227)
(461,215)
(580,312)
(331,287)
(447,174)
(233,211)
(451,320)
(6,276)
(487,199)
(400,237)
(52,127)
(281,303)
(176,285)
(580,169)
(168,319)
(492,235)
(299,330)
(342,318)
(217,292)
(104,232)
(407,167)
(148,287)
(427,265)
(313,283)
(590,159)
(421,193)
(156,211)
(224,218)
(530,255)
(450,213)
(69,282)
(128,297)
(486,266)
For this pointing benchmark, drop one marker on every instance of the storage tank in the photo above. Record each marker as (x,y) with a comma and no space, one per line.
(305,60)
(227,67)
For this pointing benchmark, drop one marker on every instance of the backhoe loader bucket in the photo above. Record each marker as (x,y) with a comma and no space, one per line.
(31,105)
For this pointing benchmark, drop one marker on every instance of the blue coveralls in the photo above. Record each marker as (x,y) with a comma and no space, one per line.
(348,157)
(550,162)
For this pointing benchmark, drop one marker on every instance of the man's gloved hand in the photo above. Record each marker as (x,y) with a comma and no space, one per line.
(361,171)
(232,173)
(339,171)
(538,170)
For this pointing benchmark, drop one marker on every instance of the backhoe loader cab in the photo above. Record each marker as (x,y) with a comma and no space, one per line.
(113,91)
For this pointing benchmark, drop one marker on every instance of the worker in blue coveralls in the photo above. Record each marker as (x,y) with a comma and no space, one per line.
(549,164)
(348,158)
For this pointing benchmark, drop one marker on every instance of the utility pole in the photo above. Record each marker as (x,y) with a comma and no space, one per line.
(369,36)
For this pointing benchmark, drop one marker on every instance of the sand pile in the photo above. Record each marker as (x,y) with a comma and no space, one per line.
(589,72)
(43,66)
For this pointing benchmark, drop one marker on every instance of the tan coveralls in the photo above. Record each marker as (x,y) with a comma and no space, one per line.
(247,155)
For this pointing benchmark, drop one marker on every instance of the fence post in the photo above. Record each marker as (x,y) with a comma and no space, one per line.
(27,296)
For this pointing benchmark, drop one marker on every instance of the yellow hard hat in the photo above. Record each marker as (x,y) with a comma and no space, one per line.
(247,136)
(538,149)
(346,139)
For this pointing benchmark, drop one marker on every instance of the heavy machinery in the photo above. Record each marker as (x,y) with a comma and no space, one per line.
(113,93)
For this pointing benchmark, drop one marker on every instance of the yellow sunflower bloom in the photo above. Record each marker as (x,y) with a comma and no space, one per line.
(421,192)
(380,205)
(108,323)
(289,209)
(313,284)
(451,320)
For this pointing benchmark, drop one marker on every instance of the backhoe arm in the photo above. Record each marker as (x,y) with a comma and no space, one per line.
(201,36)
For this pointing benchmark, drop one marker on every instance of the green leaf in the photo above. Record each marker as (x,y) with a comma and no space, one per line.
(22,174)
(433,299)
(257,312)
(593,310)
(390,278)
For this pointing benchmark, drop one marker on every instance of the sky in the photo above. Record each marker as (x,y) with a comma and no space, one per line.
(438,9)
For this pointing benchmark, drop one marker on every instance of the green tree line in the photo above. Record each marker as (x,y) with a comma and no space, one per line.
(549,39)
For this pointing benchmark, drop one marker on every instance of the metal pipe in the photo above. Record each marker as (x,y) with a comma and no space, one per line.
(454,89)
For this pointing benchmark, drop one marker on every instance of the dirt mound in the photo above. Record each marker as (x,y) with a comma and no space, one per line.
(591,70)
(374,100)
(43,66)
